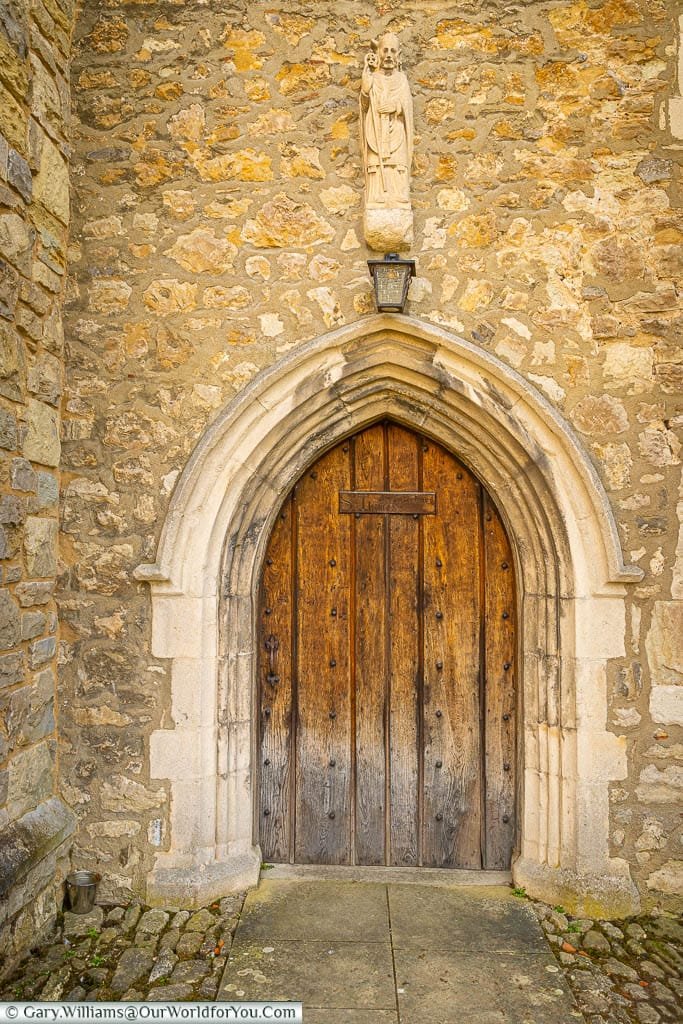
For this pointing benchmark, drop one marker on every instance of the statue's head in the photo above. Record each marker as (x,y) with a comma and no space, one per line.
(389,51)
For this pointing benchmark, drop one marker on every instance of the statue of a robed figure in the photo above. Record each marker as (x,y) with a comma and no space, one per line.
(386,119)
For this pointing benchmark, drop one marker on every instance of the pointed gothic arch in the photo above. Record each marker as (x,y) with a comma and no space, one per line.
(571,574)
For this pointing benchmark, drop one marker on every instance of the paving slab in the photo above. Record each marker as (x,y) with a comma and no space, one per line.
(339,975)
(437,986)
(349,911)
(486,919)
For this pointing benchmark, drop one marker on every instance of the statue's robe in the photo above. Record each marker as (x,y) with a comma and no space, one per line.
(387,140)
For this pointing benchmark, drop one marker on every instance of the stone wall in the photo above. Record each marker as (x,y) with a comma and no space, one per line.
(34,214)
(217,223)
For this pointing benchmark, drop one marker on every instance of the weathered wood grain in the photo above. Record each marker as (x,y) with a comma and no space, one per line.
(499,703)
(452,623)
(275,618)
(370,653)
(404,657)
(389,735)
(323,749)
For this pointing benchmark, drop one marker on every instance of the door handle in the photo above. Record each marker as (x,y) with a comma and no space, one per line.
(272,646)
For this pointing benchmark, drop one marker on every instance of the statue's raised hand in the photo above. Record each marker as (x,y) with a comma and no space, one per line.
(370,61)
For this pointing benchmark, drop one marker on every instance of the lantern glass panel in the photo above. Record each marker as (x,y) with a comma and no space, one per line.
(390,285)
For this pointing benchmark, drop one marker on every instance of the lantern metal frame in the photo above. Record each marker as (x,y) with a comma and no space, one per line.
(388,268)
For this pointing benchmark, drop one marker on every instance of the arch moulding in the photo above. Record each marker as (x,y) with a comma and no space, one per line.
(571,576)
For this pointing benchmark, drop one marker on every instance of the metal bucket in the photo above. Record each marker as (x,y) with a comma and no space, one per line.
(80,890)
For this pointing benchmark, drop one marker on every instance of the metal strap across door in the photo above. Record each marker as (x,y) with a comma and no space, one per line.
(387,663)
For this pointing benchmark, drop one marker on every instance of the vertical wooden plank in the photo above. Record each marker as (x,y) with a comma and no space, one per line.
(452,610)
(499,703)
(369,533)
(404,654)
(275,700)
(323,799)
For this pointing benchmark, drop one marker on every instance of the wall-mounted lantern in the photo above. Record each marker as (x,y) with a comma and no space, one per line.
(391,278)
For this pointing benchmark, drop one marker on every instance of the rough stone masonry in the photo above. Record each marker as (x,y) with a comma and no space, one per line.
(35,45)
(215,188)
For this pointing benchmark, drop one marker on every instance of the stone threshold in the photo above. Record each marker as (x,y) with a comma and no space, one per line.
(403,876)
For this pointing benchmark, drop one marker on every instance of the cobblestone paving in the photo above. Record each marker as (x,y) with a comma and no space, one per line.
(625,973)
(630,972)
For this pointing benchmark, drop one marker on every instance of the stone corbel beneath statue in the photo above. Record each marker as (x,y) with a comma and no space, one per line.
(386,125)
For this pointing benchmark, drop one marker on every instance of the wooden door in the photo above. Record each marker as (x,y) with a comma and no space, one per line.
(387,663)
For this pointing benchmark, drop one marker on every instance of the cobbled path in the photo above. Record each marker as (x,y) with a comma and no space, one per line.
(625,973)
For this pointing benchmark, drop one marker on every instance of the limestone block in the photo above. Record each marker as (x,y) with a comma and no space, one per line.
(45,378)
(177,753)
(109,295)
(663,644)
(51,184)
(113,829)
(176,628)
(283,222)
(617,461)
(301,162)
(46,102)
(15,238)
(669,878)
(599,415)
(660,446)
(128,796)
(170,296)
(666,704)
(41,443)
(12,119)
(202,251)
(628,366)
(292,26)
(188,124)
(339,200)
(245,165)
(660,787)
(109,35)
(298,78)
(388,230)
(101,716)
(40,546)
(30,779)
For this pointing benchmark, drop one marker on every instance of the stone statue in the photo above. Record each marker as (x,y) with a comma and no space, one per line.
(386,120)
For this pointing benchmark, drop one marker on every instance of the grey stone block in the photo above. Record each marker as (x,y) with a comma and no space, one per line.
(19,175)
(10,621)
(27,841)
(8,430)
(11,669)
(40,652)
(23,476)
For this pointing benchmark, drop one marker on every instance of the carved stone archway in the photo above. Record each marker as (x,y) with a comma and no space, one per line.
(570,569)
